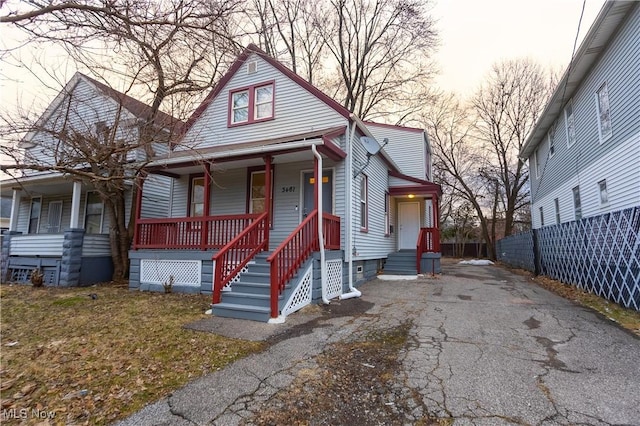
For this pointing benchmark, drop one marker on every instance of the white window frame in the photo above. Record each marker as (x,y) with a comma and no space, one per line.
(570,124)
(59,219)
(603,117)
(551,140)
(37,227)
(536,163)
(192,203)
(364,203)
(387,207)
(234,108)
(556,205)
(86,207)
(603,193)
(257,104)
(577,203)
(541,211)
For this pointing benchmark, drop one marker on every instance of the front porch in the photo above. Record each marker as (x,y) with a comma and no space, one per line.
(234,212)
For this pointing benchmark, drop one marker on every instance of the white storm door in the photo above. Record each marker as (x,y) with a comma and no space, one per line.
(409,224)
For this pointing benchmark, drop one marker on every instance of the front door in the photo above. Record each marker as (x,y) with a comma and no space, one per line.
(408,224)
(327,192)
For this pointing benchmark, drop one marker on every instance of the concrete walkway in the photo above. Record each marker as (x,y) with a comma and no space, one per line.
(487,347)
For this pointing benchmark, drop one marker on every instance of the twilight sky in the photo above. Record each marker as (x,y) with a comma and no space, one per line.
(474,34)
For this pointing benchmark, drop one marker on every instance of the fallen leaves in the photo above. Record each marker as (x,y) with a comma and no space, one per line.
(93,360)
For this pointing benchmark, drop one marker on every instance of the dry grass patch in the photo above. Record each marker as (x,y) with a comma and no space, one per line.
(627,318)
(94,355)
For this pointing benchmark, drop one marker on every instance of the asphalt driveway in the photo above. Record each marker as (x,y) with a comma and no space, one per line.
(486,347)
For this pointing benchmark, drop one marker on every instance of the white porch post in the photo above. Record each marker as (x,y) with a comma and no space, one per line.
(15,206)
(75,205)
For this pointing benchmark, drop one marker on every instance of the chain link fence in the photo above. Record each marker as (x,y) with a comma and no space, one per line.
(599,254)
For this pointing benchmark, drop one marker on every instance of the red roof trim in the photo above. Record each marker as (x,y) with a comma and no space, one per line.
(427,189)
(392,126)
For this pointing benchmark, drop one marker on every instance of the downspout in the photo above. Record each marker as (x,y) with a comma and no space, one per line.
(353,292)
(323,267)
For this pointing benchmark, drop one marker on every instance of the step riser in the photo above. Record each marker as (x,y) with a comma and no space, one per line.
(252,288)
(245,301)
(256,277)
(233,313)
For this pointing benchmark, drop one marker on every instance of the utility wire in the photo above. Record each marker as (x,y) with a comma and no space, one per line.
(554,126)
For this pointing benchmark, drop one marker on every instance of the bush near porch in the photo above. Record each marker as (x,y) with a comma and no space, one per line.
(97,354)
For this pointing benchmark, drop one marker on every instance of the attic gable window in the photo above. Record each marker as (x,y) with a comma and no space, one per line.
(251,104)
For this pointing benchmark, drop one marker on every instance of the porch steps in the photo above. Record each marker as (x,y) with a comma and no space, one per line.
(249,298)
(402,262)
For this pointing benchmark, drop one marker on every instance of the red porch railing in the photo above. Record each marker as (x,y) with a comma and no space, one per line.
(197,233)
(428,242)
(296,249)
(236,254)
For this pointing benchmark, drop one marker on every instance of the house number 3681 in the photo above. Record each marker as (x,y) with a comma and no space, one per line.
(288,189)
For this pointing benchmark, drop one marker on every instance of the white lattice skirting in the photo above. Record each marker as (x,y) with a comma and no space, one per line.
(302,295)
(334,278)
(184,272)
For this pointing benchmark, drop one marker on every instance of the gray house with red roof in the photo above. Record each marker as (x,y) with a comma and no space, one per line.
(248,221)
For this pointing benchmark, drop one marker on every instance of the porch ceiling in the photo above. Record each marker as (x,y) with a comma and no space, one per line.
(217,164)
(46,185)
(283,150)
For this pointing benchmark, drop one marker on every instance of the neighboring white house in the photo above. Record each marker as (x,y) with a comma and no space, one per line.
(246,209)
(584,152)
(57,223)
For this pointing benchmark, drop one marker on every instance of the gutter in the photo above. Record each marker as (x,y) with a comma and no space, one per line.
(323,266)
(353,292)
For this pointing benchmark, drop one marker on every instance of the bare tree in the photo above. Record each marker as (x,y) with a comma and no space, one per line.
(167,49)
(381,49)
(508,106)
(476,147)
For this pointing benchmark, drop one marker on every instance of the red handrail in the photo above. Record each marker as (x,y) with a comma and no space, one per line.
(290,254)
(236,254)
(428,242)
(209,232)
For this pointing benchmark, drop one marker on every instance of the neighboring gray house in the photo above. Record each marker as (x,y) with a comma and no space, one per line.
(58,224)
(244,222)
(584,152)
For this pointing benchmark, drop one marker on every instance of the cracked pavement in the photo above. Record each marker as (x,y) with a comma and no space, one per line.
(487,347)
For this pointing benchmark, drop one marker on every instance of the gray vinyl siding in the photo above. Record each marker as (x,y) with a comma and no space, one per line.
(86,108)
(372,244)
(590,160)
(618,67)
(296,111)
(407,148)
(156,194)
(229,195)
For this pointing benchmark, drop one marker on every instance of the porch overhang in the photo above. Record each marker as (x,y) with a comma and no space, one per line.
(251,150)
(415,187)
(431,189)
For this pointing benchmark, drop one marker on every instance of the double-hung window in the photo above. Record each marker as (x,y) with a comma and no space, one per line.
(94,212)
(364,203)
(34,215)
(196,203)
(251,104)
(604,112)
(577,205)
(570,124)
(604,195)
(387,225)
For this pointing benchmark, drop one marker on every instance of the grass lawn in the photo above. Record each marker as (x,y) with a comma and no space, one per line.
(93,360)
